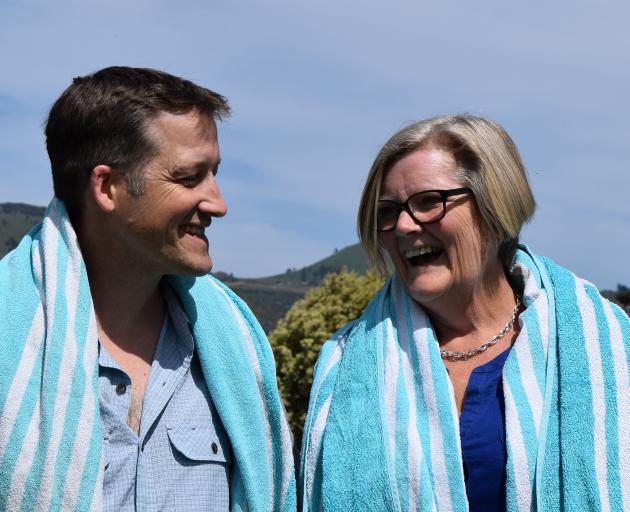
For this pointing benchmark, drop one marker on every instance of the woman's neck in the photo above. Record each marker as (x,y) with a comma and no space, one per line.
(477,313)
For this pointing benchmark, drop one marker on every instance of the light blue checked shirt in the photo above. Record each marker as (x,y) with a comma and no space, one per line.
(181,459)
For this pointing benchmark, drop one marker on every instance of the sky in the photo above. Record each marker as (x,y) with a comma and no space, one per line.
(317,87)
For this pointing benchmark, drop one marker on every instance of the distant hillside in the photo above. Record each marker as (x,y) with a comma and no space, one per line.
(352,257)
(269,302)
(15,221)
(271,297)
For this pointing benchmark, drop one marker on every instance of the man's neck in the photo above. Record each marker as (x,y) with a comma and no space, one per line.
(128,310)
(128,304)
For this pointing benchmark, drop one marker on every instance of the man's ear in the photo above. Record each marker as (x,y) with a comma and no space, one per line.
(104,187)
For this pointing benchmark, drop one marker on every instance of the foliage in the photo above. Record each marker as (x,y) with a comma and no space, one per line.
(299,336)
(623,296)
(15,221)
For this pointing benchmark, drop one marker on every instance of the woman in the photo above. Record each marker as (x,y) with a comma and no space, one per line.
(481,377)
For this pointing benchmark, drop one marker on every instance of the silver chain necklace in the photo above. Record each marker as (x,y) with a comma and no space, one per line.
(463,356)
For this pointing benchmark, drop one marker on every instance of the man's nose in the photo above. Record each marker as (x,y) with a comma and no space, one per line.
(212,202)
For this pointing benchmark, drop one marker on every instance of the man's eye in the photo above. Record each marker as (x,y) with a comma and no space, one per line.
(189,181)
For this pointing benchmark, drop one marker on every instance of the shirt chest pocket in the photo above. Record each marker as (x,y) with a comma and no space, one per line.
(195,445)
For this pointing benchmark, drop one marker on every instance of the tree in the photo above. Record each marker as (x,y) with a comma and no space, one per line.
(299,336)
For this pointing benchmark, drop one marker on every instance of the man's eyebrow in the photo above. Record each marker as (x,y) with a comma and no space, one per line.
(204,165)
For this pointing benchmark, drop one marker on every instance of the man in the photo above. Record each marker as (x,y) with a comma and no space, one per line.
(127,383)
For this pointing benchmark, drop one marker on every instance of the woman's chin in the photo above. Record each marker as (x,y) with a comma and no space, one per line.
(426,289)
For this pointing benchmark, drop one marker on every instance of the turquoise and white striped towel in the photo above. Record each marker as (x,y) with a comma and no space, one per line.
(50,429)
(382,432)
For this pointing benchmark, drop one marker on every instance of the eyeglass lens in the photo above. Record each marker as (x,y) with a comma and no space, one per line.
(425,206)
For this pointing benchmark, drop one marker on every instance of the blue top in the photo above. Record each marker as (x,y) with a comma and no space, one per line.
(180,459)
(482,431)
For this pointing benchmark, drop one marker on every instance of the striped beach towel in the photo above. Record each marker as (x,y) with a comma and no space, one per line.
(382,432)
(50,428)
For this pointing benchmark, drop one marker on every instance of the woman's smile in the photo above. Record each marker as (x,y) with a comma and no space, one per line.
(422,256)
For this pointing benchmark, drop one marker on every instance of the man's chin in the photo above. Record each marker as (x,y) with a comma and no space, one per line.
(193,268)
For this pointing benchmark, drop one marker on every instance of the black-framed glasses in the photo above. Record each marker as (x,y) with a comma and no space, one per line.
(425,206)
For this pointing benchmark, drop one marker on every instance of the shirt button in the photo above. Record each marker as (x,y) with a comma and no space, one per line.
(215,448)
(121,388)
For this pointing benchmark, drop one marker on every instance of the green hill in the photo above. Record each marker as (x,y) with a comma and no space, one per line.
(271,297)
(15,221)
(268,301)
(352,257)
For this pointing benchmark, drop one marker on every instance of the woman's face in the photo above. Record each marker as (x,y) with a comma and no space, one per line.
(455,259)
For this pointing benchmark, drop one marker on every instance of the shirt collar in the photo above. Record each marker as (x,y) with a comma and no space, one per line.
(179,319)
(105,359)
(175,312)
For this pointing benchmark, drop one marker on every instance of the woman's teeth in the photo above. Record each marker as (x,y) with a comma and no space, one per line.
(420,251)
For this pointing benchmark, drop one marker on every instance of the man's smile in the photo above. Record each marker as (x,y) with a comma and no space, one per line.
(194,231)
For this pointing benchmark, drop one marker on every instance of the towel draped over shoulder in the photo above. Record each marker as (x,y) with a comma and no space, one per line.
(50,429)
(382,431)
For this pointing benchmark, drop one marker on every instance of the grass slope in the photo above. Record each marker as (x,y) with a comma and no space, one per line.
(352,257)
(269,303)
(15,221)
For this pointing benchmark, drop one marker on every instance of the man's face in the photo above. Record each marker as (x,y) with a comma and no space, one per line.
(163,229)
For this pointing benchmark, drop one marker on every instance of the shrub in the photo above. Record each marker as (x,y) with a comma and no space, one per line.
(299,336)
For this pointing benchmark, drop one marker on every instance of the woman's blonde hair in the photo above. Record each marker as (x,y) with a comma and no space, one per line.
(487,161)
